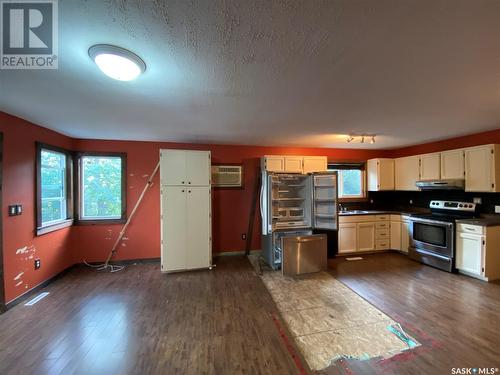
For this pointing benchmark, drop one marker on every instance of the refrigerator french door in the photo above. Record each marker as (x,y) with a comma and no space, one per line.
(294,205)
(325,212)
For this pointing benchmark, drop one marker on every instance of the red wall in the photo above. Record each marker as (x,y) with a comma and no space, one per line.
(53,248)
(60,249)
(231,208)
(492,136)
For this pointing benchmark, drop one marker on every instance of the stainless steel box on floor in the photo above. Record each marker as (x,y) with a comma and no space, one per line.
(304,254)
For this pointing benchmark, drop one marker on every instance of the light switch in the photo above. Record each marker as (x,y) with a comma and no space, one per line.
(12,210)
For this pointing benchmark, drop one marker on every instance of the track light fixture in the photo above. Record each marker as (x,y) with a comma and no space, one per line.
(361,137)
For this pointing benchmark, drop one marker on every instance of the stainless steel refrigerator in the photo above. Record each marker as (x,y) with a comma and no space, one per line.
(295,205)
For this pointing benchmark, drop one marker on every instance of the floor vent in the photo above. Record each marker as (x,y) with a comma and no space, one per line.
(36,299)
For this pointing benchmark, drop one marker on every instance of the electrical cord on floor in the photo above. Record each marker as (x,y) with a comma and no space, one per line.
(104,267)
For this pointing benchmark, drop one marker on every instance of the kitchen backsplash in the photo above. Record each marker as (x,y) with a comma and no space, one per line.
(420,199)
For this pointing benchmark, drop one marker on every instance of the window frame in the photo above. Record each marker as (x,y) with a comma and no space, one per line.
(64,223)
(348,166)
(79,187)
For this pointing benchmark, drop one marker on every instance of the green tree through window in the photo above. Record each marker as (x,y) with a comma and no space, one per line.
(101,187)
(53,186)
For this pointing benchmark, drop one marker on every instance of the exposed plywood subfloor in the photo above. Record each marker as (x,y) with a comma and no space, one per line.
(329,321)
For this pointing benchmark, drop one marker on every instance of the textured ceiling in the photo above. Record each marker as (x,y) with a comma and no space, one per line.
(271,72)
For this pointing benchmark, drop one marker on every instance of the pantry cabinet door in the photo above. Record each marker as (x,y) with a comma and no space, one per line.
(173,221)
(173,167)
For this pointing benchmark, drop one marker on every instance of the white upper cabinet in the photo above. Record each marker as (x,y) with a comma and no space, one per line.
(430,167)
(482,168)
(185,168)
(380,174)
(293,164)
(406,172)
(452,164)
(315,164)
(273,163)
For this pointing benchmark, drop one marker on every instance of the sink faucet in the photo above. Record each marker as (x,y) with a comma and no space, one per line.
(341,208)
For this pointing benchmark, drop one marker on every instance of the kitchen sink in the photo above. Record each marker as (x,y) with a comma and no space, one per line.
(355,212)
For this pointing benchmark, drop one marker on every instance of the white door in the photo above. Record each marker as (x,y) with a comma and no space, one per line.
(174,218)
(366,236)
(452,164)
(469,253)
(274,163)
(293,164)
(173,167)
(396,235)
(198,168)
(405,236)
(315,164)
(407,173)
(385,174)
(479,169)
(198,229)
(347,237)
(430,167)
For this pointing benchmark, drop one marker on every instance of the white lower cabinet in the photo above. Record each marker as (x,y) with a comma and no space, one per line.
(470,253)
(347,237)
(405,234)
(365,236)
(395,232)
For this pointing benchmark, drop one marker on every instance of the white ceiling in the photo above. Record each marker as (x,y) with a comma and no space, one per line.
(271,72)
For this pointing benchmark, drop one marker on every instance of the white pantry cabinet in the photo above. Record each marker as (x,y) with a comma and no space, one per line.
(186,219)
(407,172)
(452,164)
(380,174)
(430,167)
(185,168)
(482,168)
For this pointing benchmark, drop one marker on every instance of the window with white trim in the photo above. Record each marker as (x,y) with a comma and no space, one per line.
(351,180)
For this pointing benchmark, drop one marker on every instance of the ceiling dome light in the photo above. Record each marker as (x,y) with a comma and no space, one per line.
(117,63)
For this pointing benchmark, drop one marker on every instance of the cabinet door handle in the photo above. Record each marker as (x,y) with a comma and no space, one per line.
(183,182)
(189,191)
(189,182)
(183,190)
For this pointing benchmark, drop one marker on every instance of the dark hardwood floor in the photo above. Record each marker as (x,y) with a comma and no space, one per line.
(455,318)
(140,321)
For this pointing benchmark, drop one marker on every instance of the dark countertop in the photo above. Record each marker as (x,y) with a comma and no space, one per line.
(486,221)
(378,212)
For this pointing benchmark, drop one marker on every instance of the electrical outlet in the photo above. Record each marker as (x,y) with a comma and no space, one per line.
(243,236)
(37,264)
(497,209)
(19,209)
(477,200)
(411,201)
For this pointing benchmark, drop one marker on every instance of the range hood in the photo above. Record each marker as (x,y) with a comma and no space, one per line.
(451,184)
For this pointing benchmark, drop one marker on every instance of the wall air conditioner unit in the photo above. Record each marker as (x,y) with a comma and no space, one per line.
(227,176)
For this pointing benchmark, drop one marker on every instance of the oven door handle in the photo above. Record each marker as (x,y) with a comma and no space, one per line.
(431,254)
(430,221)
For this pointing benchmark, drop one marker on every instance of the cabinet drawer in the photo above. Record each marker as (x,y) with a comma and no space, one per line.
(382,225)
(383,217)
(356,218)
(382,234)
(382,244)
(467,228)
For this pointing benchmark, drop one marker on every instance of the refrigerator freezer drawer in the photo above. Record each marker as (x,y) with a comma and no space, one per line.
(304,254)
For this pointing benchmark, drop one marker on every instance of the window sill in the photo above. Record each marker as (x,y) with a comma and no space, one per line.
(101,222)
(53,227)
